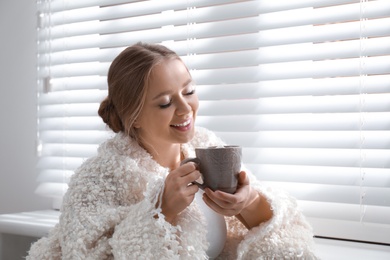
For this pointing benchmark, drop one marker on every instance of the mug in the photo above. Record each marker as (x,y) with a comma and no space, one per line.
(219,166)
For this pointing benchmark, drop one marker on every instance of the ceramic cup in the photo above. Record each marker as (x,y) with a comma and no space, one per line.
(219,167)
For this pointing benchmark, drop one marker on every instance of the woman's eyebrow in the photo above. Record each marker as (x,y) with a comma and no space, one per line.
(187,82)
(162,94)
(169,91)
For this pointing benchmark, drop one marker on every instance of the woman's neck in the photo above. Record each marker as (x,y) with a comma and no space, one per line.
(167,156)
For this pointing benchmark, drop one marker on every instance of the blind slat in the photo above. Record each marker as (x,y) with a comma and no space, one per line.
(70,150)
(293,70)
(319,104)
(60,163)
(284,53)
(327,175)
(289,53)
(138,7)
(272,88)
(55,190)
(311,122)
(297,87)
(75,136)
(348,212)
(55,176)
(297,104)
(82,82)
(71,123)
(314,156)
(289,70)
(310,139)
(69,110)
(342,194)
(74,96)
(287,139)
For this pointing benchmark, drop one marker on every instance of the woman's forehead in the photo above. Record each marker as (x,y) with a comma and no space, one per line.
(168,76)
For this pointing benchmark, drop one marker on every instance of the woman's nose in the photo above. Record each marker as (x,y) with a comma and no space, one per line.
(183,107)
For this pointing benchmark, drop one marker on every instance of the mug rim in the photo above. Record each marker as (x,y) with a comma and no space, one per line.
(218,147)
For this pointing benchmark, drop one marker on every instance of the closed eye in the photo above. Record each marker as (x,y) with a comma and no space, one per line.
(190,92)
(166,105)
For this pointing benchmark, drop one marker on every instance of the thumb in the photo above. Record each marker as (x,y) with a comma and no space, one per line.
(243,178)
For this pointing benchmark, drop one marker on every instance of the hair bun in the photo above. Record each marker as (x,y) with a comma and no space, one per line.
(110,116)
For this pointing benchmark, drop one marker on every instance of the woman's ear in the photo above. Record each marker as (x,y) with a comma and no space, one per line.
(136,124)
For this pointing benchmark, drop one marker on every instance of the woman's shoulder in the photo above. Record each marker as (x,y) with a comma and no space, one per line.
(118,144)
(117,152)
(118,172)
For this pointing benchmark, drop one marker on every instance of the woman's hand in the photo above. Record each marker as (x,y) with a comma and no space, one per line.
(246,204)
(179,192)
(230,204)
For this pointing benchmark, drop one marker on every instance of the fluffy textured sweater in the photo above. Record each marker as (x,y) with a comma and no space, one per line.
(109,212)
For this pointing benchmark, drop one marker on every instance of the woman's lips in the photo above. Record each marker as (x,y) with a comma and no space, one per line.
(183,126)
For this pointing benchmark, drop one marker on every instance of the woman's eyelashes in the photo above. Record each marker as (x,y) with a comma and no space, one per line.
(166,105)
(191,92)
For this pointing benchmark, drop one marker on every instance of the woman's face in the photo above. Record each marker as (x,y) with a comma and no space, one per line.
(170,108)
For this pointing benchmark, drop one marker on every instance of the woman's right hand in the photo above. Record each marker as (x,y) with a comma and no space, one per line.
(179,191)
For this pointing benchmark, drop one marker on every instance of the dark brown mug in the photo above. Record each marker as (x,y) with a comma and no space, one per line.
(219,167)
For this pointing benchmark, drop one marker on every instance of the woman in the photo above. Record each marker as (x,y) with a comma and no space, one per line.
(135,201)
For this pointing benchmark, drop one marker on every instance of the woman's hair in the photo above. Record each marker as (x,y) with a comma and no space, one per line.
(128,78)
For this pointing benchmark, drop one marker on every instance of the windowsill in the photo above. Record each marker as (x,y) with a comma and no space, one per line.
(33,224)
(38,224)
(337,249)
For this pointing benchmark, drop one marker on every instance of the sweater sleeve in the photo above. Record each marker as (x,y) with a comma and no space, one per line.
(144,236)
(287,235)
(105,217)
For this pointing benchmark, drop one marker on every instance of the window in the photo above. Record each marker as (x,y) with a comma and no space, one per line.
(302,85)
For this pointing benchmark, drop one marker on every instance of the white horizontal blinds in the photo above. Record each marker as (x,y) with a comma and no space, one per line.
(302,85)
(77,40)
(72,68)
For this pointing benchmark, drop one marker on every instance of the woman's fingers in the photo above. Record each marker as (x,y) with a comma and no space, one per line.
(183,175)
(226,203)
(189,173)
(187,168)
(178,194)
(224,200)
(221,208)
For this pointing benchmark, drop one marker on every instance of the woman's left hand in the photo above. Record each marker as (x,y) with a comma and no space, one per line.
(231,204)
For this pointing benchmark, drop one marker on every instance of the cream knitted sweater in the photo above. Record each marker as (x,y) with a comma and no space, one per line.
(110,207)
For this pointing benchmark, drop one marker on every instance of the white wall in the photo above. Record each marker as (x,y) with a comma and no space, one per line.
(18,107)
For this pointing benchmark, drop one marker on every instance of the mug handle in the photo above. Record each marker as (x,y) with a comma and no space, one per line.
(197,162)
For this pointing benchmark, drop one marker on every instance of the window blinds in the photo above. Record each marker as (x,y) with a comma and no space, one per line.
(302,85)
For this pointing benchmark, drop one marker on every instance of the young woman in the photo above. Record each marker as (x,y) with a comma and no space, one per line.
(134,200)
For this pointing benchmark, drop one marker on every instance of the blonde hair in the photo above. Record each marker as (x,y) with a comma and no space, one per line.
(128,78)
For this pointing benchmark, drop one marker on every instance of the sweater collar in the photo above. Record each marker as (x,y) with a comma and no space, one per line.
(122,144)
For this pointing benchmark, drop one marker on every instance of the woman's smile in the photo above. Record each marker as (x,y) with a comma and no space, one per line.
(186,125)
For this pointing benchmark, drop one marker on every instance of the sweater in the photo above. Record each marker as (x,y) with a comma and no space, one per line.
(109,212)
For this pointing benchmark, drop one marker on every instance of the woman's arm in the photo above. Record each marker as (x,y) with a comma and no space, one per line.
(126,232)
(258,210)
(276,228)
(249,206)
